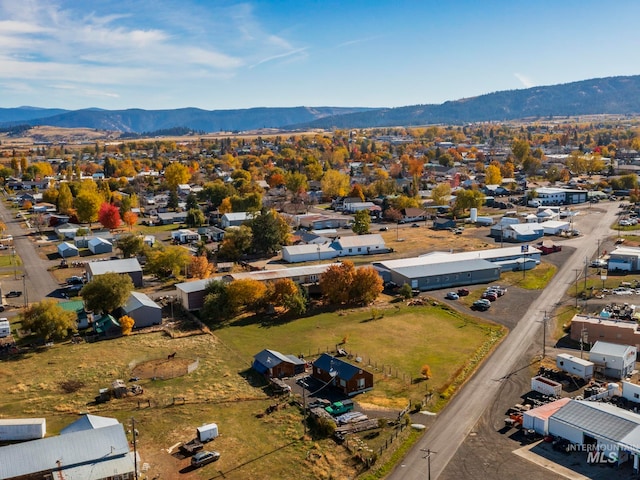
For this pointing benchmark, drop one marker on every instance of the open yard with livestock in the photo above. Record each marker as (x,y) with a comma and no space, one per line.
(62,381)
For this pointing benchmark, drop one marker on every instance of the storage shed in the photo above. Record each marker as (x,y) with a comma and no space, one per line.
(98,245)
(613,360)
(66,250)
(144,311)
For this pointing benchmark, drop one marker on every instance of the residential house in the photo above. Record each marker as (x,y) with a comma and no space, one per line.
(308,252)
(413,215)
(184,236)
(360,244)
(348,378)
(170,218)
(67,230)
(442,223)
(77,307)
(235,219)
(274,364)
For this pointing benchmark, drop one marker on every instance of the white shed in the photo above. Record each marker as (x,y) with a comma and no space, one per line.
(308,252)
(555,227)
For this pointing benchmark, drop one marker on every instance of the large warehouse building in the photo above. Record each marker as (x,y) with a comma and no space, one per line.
(443,270)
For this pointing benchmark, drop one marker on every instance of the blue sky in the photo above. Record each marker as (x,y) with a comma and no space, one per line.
(218,54)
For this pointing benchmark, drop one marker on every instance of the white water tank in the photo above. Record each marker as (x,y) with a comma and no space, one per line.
(473,215)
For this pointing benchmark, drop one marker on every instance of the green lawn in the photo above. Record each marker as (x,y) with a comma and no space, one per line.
(399,344)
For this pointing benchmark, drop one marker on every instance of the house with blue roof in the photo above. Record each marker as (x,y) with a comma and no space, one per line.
(349,379)
(274,364)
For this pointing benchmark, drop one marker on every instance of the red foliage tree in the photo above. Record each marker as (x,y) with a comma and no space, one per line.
(109,216)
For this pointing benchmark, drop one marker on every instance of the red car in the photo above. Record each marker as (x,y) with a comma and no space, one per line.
(492,297)
(463,292)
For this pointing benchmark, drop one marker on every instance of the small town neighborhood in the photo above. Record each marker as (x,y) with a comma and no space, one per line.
(310,289)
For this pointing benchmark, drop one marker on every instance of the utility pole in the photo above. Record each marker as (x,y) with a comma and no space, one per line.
(428,457)
(577,270)
(134,432)
(544,335)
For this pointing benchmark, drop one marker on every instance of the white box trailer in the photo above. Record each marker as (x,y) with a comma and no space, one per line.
(5,328)
(18,429)
(546,386)
(207,432)
(575,366)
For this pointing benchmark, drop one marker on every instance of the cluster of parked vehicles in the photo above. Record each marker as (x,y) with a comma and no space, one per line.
(491,294)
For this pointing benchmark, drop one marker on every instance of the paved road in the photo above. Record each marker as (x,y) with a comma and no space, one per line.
(454,424)
(38,283)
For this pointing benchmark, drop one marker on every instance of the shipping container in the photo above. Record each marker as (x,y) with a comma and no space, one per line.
(546,386)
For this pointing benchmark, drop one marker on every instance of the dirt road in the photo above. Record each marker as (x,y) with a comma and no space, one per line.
(472,403)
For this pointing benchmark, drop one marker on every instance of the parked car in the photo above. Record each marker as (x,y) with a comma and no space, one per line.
(415,225)
(203,458)
(384,229)
(338,408)
(13,294)
(500,291)
(452,296)
(463,292)
(622,291)
(481,305)
(491,296)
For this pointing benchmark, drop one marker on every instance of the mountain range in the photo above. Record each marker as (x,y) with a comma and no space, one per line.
(612,95)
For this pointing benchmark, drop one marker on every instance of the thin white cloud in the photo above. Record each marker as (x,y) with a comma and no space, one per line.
(524,80)
(299,53)
(358,40)
(51,45)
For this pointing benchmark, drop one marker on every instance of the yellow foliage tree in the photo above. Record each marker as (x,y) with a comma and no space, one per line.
(246,292)
(126,324)
(425,371)
(200,267)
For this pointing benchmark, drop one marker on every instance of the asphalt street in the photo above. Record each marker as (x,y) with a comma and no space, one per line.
(454,424)
(38,282)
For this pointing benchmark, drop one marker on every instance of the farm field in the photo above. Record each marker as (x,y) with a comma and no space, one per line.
(222,389)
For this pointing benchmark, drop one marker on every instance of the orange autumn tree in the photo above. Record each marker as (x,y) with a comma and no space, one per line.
(200,267)
(130,219)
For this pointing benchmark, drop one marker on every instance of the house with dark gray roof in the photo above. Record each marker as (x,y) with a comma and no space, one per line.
(349,379)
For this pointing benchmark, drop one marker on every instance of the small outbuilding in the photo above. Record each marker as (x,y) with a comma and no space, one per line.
(144,311)
(613,360)
(66,250)
(98,245)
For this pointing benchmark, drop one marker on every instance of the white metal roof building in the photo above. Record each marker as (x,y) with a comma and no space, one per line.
(129,266)
(612,359)
(624,258)
(95,453)
(589,424)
